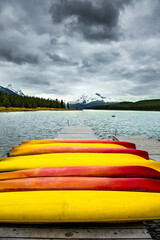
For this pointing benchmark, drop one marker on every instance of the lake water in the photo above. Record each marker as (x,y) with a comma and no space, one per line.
(18,126)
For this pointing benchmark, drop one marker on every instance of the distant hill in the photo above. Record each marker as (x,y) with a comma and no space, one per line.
(148,105)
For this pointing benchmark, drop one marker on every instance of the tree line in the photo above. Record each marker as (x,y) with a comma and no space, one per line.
(144,105)
(29,102)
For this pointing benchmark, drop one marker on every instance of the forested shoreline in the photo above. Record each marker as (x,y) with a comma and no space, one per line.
(144,105)
(29,102)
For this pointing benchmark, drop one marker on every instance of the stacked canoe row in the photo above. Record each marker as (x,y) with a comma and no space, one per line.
(78,181)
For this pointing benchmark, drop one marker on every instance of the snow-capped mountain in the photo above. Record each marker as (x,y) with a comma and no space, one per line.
(7,91)
(18,92)
(89,101)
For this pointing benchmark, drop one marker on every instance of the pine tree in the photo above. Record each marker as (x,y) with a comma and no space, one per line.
(6,102)
(68,105)
(62,104)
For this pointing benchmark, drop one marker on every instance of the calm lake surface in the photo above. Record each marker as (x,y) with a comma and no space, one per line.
(19,126)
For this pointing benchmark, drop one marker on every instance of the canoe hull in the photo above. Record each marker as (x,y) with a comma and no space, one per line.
(78,206)
(81,183)
(76,159)
(84,171)
(101,145)
(44,141)
(47,150)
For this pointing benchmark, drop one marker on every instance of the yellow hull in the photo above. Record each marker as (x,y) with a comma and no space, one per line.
(75,159)
(31,149)
(76,156)
(78,206)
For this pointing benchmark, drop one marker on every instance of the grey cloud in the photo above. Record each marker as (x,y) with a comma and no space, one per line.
(106,57)
(54,41)
(86,64)
(143,20)
(96,20)
(20,58)
(20,27)
(35,81)
(144,90)
(60,47)
(61,60)
(100,58)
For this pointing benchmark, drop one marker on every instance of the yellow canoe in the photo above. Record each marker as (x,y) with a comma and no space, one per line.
(30,149)
(75,159)
(76,156)
(43,141)
(108,145)
(78,206)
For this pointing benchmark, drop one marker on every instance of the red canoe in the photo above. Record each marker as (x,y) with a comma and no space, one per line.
(45,150)
(43,141)
(81,183)
(84,171)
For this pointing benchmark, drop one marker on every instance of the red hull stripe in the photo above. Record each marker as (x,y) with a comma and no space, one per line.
(84,171)
(79,183)
(44,150)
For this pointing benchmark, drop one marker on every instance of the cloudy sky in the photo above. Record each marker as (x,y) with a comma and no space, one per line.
(64,48)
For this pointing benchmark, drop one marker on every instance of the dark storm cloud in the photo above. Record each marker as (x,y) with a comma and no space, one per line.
(15,45)
(11,56)
(65,47)
(96,20)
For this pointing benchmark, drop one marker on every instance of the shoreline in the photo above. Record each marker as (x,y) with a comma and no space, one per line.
(124,110)
(19,109)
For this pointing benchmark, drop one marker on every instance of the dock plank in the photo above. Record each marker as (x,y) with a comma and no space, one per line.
(76,132)
(121,232)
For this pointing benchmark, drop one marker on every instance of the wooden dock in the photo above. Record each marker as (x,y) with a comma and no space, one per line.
(86,231)
(150,145)
(76,132)
(126,231)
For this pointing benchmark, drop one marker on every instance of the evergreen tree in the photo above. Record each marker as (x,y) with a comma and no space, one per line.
(29,102)
(62,104)
(6,102)
(68,105)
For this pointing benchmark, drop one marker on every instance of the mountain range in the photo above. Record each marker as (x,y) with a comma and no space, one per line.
(11,91)
(85,101)
(88,101)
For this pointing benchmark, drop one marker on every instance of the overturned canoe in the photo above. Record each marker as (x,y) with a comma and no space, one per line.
(81,183)
(100,145)
(45,141)
(78,206)
(70,156)
(76,159)
(84,171)
(45,150)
